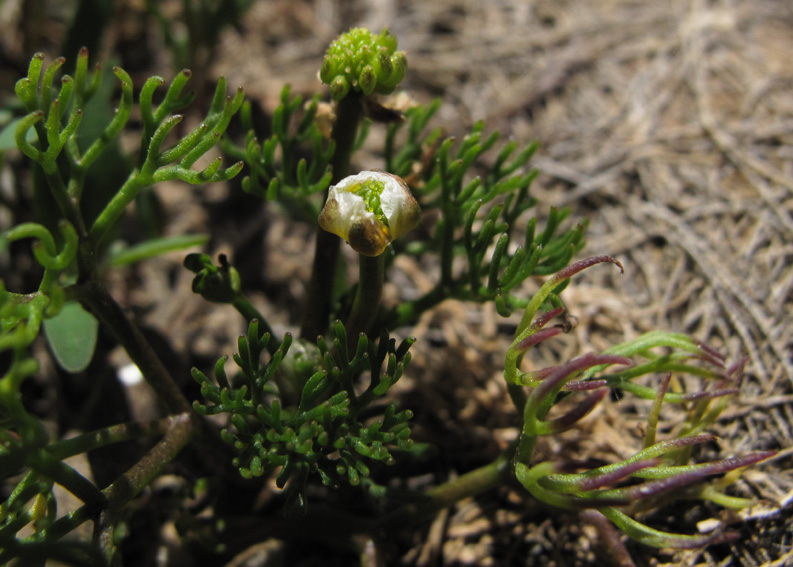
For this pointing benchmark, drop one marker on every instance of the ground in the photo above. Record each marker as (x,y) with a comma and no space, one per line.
(668,126)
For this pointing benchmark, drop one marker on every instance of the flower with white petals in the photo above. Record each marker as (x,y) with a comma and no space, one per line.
(369,210)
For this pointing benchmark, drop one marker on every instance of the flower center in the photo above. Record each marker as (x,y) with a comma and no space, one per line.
(370,191)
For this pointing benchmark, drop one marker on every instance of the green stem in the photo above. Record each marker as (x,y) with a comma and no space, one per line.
(319,296)
(128,485)
(107,436)
(470,484)
(371,272)
(525,449)
(474,482)
(110,214)
(55,469)
(245,308)
(335,525)
(110,313)
(408,312)
(140,476)
(68,207)
(518,396)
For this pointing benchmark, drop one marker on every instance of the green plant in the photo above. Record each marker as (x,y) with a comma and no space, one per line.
(316,409)
(193,38)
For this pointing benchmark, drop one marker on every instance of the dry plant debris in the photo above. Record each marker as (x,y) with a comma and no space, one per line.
(669,125)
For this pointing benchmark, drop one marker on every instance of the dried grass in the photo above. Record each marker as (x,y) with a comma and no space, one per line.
(669,126)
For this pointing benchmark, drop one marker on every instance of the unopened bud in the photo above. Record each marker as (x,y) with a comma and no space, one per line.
(370,210)
(362,61)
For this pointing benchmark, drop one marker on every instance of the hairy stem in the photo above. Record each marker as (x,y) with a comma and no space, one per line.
(319,296)
(139,476)
(111,213)
(127,486)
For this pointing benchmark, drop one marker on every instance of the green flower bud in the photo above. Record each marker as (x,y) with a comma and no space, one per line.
(362,61)
(219,284)
(369,211)
(367,80)
(339,87)
(386,67)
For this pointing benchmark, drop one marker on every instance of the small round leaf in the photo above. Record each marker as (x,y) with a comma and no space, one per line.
(72,336)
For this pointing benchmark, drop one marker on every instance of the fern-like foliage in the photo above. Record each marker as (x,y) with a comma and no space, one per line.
(325,433)
(276,172)
(480,216)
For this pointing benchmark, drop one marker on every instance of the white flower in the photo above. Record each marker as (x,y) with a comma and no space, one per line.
(369,211)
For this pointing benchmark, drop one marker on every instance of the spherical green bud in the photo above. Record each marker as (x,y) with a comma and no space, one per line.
(365,62)
(370,210)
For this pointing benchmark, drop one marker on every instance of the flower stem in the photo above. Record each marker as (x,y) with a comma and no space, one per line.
(319,296)
(367,298)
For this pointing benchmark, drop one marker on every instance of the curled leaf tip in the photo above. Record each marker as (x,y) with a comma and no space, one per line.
(536,338)
(576,267)
(543,319)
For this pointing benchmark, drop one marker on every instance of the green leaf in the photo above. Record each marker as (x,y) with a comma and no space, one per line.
(72,336)
(156,247)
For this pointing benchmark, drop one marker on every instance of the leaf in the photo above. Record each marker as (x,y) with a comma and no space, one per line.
(9,131)
(156,247)
(71,335)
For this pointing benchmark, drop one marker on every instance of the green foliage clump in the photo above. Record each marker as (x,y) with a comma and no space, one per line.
(324,434)
(273,171)
(480,216)
(58,134)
